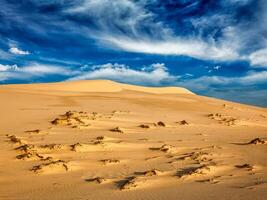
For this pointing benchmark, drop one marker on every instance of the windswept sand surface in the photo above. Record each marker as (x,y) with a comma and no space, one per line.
(105,140)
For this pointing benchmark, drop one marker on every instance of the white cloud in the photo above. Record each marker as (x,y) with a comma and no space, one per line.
(155,74)
(15,50)
(259,58)
(11,72)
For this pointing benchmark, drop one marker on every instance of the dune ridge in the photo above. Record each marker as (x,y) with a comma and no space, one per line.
(96,86)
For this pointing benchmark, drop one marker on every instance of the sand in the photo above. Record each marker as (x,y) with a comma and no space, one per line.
(107,140)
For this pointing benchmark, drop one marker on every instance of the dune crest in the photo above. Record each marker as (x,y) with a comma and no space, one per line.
(96,86)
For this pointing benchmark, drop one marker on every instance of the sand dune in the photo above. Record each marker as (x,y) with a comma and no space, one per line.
(107,140)
(96,86)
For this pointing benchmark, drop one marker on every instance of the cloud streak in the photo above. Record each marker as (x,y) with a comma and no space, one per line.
(203,83)
(176,46)
(32,71)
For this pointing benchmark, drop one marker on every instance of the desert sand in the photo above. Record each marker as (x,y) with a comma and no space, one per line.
(106,140)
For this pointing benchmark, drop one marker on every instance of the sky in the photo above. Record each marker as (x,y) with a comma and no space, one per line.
(214,48)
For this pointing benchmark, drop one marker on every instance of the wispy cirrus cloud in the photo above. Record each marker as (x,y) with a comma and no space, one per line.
(128,26)
(131,26)
(206,31)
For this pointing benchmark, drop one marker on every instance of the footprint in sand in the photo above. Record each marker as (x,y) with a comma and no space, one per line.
(257,141)
(96,116)
(99,180)
(223,119)
(26,147)
(160,123)
(245,166)
(15,139)
(110,161)
(101,138)
(82,147)
(51,167)
(36,131)
(213,180)
(164,148)
(183,123)
(99,142)
(29,152)
(30,155)
(139,181)
(195,171)
(73,119)
(117,130)
(53,146)
(79,147)
(153,172)
(167,148)
(198,156)
(145,126)
(133,183)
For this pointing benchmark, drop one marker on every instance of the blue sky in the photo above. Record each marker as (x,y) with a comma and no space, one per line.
(214,48)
